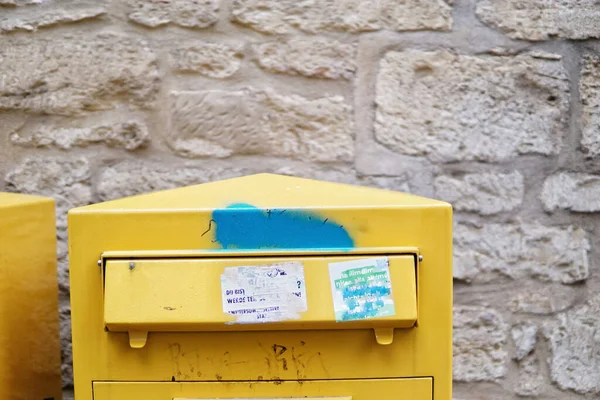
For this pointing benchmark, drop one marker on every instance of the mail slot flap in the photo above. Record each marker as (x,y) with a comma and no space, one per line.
(260,293)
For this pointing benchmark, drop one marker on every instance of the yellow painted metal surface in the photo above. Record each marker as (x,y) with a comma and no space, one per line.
(152,319)
(169,295)
(360,389)
(29,338)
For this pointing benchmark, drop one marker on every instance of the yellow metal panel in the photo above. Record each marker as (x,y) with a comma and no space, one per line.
(185,295)
(363,389)
(203,220)
(29,339)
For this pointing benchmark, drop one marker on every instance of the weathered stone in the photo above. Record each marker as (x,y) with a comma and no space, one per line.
(186,13)
(214,60)
(574,336)
(572,191)
(544,300)
(66,348)
(463,107)
(31,19)
(15,3)
(530,380)
(314,57)
(66,180)
(75,74)
(487,193)
(589,91)
(130,178)
(284,16)
(524,337)
(128,135)
(520,250)
(220,123)
(542,19)
(479,341)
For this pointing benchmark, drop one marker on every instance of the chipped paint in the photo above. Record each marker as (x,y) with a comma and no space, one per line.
(244,226)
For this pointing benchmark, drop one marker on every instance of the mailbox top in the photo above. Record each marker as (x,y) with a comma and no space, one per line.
(16,199)
(265,191)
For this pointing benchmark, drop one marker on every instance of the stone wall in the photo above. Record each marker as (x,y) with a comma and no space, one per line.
(493,105)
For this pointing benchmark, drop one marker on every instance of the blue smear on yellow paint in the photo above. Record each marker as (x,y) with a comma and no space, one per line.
(244,227)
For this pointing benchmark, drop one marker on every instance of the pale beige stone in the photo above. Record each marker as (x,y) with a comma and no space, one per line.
(185,13)
(314,57)
(545,300)
(285,16)
(130,135)
(486,193)
(524,337)
(452,107)
(214,60)
(530,379)
(253,121)
(483,253)
(479,344)
(572,191)
(76,73)
(542,19)
(574,336)
(63,12)
(589,91)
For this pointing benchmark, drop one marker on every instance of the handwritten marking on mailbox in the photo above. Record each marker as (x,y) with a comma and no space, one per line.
(361,289)
(265,293)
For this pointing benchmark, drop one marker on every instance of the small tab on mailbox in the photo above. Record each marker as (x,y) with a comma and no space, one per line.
(260,293)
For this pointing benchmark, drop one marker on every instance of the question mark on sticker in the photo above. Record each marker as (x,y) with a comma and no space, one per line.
(299,283)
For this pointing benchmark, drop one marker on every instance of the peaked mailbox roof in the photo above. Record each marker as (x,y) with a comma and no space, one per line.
(265,191)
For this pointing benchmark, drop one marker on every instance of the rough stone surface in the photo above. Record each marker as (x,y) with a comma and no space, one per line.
(462,107)
(530,380)
(285,16)
(524,337)
(520,250)
(129,178)
(26,19)
(316,58)
(589,91)
(542,19)
(573,337)
(185,13)
(487,194)
(66,348)
(75,74)
(214,60)
(221,123)
(66,180)
(548,299)
(478,344)
(128,135)
(572,191)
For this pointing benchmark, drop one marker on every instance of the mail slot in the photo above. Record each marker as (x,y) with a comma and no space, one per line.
(262,287)
(29,338)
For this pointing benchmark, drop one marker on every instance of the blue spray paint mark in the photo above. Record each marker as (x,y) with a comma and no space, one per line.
(244,226)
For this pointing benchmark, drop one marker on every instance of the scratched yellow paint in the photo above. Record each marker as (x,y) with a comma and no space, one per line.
(29,339)
(140,332)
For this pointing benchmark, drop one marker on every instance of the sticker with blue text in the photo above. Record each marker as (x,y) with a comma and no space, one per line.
(265,293)
(361,289)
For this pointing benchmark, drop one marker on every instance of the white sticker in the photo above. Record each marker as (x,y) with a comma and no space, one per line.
(265,293)
(361,289)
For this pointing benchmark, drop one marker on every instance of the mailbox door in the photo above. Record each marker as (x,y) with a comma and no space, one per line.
(358,389)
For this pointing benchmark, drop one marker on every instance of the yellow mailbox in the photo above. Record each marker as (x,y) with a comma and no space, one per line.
(29,338)
(262,287)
